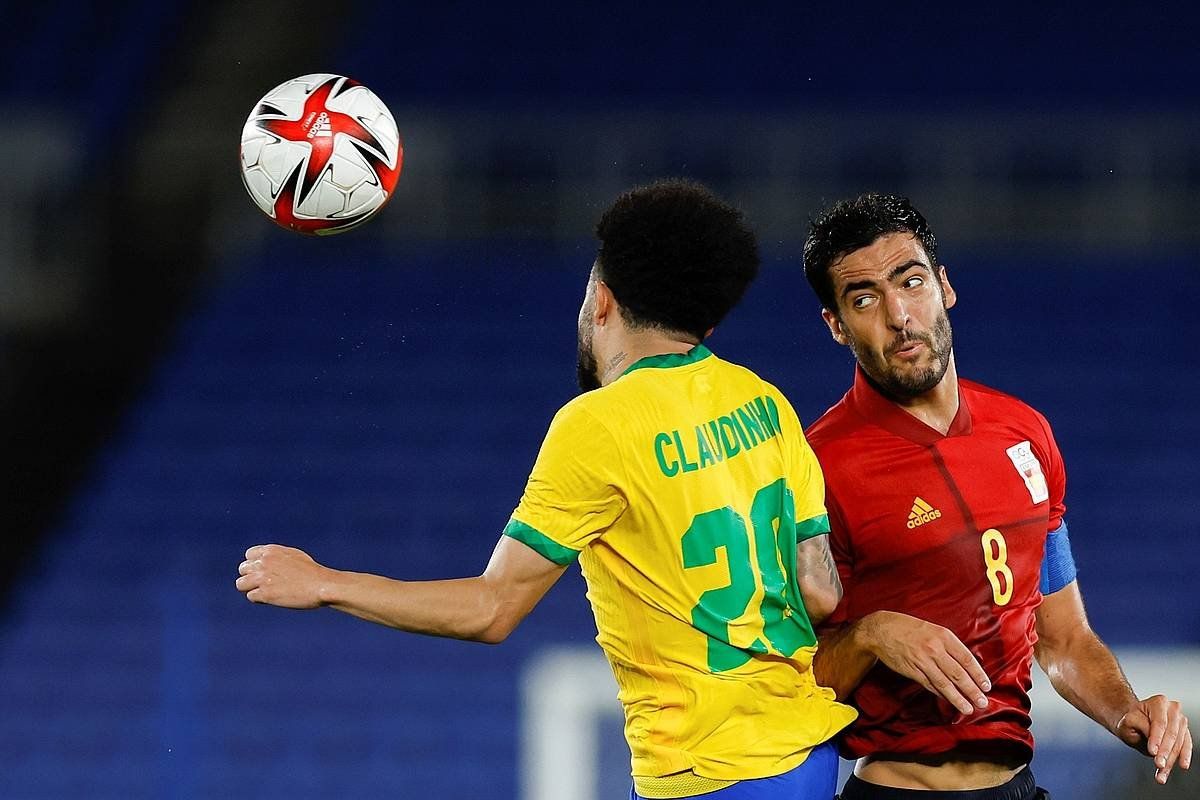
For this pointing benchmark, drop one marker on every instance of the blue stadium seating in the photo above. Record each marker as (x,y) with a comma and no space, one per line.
(93,62)
(381,407)
(774,55)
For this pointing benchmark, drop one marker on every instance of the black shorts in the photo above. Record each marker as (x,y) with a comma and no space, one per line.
(1021,787)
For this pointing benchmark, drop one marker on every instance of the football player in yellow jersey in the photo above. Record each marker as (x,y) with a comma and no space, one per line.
(685,488)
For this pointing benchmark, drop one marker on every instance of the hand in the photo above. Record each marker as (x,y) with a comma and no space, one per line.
(281,576)
(928,654)
(1157,727)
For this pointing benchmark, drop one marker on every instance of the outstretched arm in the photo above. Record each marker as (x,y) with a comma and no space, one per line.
(486,608)
(920,651)
(1085,672)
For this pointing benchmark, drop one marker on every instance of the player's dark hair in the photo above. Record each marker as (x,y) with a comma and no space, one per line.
(850,225)
(675,256)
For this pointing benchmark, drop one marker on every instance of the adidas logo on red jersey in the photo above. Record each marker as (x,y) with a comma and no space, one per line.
(921,513)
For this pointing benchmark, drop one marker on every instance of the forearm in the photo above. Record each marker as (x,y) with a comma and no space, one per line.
(485,609)
(464,608)
(842,659)
(1086,674)
(920,651)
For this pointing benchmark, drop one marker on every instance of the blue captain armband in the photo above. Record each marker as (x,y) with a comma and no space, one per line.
(1058,566)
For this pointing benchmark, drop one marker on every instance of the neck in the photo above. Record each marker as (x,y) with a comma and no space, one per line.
(938,407)
(634,346)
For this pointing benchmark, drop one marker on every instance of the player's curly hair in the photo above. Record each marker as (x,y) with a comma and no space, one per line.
(675,256)
(850,225)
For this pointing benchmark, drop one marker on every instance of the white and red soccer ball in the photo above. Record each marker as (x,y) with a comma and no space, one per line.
(320,154)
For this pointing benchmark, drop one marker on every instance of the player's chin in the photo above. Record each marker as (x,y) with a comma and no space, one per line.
(913,380)
(907,373)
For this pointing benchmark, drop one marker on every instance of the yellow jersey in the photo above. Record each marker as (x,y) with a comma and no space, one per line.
(683,488)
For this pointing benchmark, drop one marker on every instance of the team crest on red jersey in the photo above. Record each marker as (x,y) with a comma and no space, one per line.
(1030,470)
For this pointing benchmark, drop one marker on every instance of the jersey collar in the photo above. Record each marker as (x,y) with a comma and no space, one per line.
(668,360)
(874,407)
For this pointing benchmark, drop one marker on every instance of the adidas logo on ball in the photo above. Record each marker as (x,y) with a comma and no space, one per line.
(321,127)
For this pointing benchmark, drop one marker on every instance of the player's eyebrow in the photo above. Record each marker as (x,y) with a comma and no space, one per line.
(855,286)
(894,273)
(900,269)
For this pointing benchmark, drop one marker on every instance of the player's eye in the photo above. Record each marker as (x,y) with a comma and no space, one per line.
(913,281)
(862,301)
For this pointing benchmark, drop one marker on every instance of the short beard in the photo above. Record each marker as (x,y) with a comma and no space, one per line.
(587,371)
(905,386)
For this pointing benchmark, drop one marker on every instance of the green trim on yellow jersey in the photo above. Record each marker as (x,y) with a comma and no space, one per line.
(543,544)
(668,360)
(815,526)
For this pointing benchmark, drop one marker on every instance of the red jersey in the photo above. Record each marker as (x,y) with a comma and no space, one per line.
(950,529)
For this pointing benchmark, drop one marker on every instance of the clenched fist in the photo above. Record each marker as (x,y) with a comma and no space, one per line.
(281,576)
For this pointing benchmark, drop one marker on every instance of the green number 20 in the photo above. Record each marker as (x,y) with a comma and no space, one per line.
(785,623)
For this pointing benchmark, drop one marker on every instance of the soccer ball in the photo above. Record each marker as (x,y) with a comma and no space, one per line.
(320,154)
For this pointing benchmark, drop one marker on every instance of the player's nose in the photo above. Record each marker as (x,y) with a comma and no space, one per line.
(897,312)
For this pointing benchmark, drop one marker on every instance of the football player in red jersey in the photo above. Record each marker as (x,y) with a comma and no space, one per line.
(945,503)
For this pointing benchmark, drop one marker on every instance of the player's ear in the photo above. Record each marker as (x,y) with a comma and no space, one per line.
(835,327)
(949,297)
(606,304)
